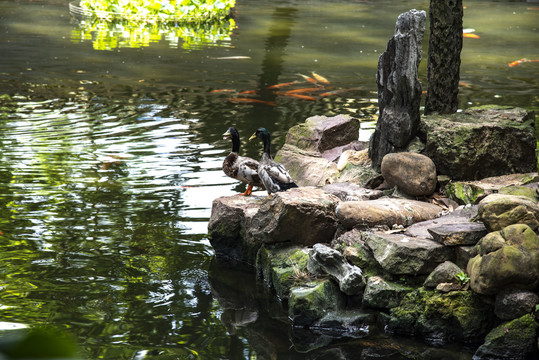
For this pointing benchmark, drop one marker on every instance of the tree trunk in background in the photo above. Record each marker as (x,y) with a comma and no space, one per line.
(399,89)
(445,45)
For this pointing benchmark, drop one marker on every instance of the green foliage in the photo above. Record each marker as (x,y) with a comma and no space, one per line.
(463,278)
(137,23)
(160,10)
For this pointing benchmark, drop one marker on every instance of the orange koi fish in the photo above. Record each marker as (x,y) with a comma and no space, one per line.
(307,78)
(338,91)
(298,96)
(277,86)
(471,36)
(520,61)
(320,78)
(301,90)
(249,92)
(222,90)
(249,100)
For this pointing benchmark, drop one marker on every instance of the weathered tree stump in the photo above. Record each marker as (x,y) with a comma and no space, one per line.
(399,89)
(445,45)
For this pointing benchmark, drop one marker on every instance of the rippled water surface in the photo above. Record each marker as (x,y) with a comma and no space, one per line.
(110,159)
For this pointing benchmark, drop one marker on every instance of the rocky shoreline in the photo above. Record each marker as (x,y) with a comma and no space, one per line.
(428,247)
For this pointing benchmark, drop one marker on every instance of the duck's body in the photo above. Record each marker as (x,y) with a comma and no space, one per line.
(273,175)
(239,167)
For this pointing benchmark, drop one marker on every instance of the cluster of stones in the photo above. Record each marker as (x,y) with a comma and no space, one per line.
(459,267)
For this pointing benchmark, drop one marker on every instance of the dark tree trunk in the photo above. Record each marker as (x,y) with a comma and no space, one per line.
(445,45)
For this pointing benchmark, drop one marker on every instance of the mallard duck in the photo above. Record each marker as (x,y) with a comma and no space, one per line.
(239,167)
(273,175)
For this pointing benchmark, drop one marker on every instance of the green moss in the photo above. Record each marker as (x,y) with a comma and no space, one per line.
(464,193)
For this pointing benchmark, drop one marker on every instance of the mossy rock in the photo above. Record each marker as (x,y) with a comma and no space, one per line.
(520,191)
(281,269)
(464,192)
(511,340)
(313,300)
(459,315)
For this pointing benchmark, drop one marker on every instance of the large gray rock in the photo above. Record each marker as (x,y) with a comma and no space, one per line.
(383,294)
(506,258)
(325,260)
(498,211)
(312,301)
(399,89)
(321,133)
(311,147)
(515,339)
(414,174)
(352,192)
(512,303)
(240,225)
(481,142)
(385,211)
(446,272)
(403,255)
(458,234)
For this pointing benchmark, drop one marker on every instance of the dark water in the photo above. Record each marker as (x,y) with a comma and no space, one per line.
(110,159)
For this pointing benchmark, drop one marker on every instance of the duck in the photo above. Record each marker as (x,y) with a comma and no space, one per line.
(272,174)
(238,167)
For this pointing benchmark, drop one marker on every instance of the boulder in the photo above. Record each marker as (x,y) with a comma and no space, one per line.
(457,315)
(506,258)
(498,211)
(399,89)
(446,272)
(321,133)
(515,339)
(385,211)
(471,192)
(513,303)
(303,216)
(307,168)
(414,174)
(226,227)
(458,234)
(481,142)
(382,294)
(325,260)
(403,255)
(240,225)
(311,301)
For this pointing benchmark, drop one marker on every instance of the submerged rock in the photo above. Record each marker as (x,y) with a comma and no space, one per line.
(515,339)
(506,258)
(413,174)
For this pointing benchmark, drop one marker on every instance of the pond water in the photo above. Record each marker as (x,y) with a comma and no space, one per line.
(110,156)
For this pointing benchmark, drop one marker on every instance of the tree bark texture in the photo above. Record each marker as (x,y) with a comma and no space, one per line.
(445,45)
